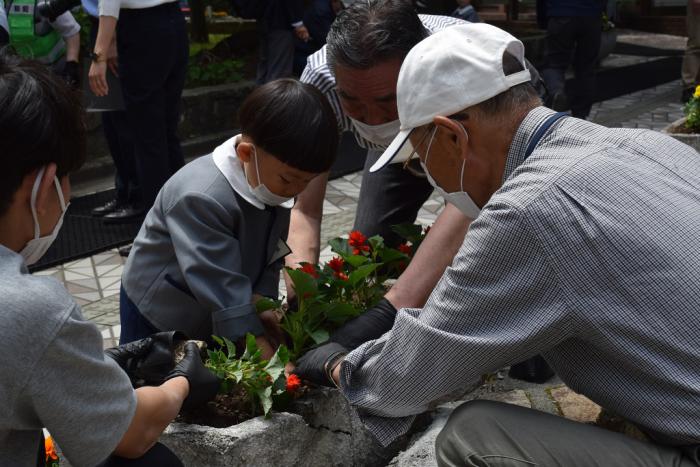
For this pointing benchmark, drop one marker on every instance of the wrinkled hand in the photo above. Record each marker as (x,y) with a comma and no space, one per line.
(98,78)
(204,385)
(370,325)
(302,33)
(312,366)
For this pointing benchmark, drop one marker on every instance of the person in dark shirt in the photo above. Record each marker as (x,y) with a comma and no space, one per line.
(466,11)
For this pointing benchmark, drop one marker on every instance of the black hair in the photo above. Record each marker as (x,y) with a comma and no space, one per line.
(372,31)
(41,121)
(293,122)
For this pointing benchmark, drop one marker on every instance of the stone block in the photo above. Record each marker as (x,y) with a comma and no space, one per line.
(575,406)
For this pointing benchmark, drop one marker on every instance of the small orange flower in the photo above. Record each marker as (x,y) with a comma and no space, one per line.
(293,383)
(405,249)
(309,269)
(336,264)
(50,449)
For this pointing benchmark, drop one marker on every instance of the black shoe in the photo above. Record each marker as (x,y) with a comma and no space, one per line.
(106,208)
(559,102)
(124,215)
(533,370)
(125,250)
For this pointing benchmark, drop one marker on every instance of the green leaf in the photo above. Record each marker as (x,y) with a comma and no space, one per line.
(319,336)
(376,242)
(265,397)
(265,304)
(275,367)
(252,352)
(230,348)
(340,312)
(341,247)
(238,375)
(218,340)
(410,232)
(356,260)
(305,286)
(362,272)
(389,255)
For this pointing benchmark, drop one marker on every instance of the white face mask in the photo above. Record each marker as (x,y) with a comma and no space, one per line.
(35,249)
(261,192)
(460,199)
(381,135)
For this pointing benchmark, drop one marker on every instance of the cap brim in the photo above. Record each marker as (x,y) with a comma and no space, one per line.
(398,151)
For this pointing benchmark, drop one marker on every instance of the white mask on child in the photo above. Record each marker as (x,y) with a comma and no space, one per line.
(37,247)
(460,199)
(261,192)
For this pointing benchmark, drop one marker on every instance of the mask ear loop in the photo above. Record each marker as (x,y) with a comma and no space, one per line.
(430,144)
(59,190)
(464,162)
(35,192)
(257,167)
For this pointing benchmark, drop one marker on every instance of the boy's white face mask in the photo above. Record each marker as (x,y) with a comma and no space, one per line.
(37,247)
(262,192)
(460,199)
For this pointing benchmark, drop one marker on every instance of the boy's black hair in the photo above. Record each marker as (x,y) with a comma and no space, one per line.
(41,121)
(293,122)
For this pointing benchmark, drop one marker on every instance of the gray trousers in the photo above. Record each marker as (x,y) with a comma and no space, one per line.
(276,58)
(389,197)
(486,433)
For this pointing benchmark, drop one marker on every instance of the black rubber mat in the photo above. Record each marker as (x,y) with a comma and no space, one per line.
(83,235)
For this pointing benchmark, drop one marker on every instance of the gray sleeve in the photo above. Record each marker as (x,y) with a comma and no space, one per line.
(269,283)
(3,18)
(83,398)
(497,304)
(66,25)
(203,235)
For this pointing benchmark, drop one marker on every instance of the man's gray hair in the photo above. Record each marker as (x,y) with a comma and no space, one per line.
(370,32)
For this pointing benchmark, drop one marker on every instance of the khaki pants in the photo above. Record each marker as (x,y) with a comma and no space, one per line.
(690,72)
(485,433)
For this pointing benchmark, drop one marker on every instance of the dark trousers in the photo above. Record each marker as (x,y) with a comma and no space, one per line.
(484,433)
(159,455)
(133,325)
(153,53)
(276,59)
(577,40)
(121,145)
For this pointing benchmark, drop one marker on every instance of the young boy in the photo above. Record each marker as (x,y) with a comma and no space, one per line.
(215,237)
(54,373)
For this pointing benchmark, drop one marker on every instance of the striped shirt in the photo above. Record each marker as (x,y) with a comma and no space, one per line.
(589,254)
(318,74)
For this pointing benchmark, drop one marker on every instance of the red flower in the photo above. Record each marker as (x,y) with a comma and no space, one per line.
(293,383)
(360,249)
(356,238)
(336,264)
(402,266)
(342,276)
(309,269)
(405,249)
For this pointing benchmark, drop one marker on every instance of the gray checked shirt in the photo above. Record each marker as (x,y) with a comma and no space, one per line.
(589,254)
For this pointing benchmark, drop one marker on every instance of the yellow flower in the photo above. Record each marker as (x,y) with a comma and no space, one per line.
(697,91)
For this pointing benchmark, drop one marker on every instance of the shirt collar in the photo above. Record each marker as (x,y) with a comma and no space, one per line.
(227,161)
(527,128)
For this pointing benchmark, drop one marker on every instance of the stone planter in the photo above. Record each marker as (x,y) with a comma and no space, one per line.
(691,139)
(321,430)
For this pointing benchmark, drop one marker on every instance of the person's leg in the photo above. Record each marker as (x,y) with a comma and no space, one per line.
(484,433)
(690,72)
(159,455)
(173,89)
(559,46)
(389,197)
(588,34)
(133,325)
(280,54)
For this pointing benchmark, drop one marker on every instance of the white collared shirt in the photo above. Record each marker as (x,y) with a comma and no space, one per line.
(112,7)
(231,167)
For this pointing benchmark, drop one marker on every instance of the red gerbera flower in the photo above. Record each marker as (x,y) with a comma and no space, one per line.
(293,383)
(336,264)
(405,249)
(309,269)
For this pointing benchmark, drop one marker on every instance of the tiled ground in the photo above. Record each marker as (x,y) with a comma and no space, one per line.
(95,281)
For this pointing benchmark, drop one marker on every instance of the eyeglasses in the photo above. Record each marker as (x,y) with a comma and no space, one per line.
(406,164)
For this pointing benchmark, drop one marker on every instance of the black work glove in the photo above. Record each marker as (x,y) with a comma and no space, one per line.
(366,327)
(148,361)
(71,74)
(313,364)
(204,385)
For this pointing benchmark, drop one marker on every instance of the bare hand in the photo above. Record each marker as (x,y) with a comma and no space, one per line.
(302,33)
(271,322)
(98,78)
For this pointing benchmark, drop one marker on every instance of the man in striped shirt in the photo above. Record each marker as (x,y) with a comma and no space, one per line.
(357,71)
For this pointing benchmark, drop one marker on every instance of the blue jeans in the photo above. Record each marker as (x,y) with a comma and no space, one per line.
(134,325)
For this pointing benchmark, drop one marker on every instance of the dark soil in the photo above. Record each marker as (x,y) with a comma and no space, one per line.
(224,411)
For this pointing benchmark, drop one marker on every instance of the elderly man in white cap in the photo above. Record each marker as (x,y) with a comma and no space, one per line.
(585,248)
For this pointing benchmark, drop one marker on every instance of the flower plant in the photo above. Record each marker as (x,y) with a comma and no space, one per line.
(692,111)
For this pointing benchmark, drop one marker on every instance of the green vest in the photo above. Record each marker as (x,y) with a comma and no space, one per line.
(33,37)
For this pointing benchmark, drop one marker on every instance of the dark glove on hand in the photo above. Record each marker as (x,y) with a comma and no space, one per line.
(128,354)
(71,73)
(366,327)
(148,361)
(312,365)
(204,385)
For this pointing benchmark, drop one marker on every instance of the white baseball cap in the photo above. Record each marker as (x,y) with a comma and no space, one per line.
(447,72)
